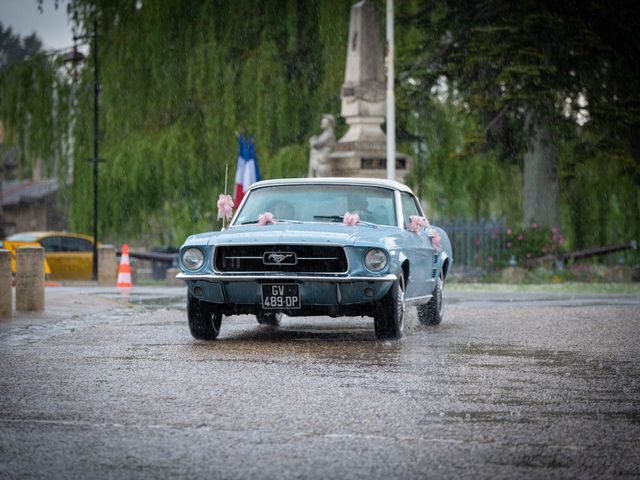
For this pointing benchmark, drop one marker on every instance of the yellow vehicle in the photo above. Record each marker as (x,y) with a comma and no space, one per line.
(68,256)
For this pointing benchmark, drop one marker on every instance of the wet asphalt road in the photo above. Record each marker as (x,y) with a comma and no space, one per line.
(509,386)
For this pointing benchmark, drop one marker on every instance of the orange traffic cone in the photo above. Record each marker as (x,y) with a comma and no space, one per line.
(124,270)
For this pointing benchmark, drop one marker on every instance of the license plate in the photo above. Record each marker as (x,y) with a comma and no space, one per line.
(281,295)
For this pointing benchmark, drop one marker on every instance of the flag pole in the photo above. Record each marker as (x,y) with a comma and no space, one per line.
(226,177)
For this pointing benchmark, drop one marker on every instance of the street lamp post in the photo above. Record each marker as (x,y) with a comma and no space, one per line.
(96,136)
(391,99)
(75,58)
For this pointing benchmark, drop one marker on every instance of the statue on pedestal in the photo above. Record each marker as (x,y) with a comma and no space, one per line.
(321,147)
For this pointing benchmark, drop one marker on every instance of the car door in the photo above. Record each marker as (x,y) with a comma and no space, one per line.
(70,258)
(419,251)
(79,253)
(52,250)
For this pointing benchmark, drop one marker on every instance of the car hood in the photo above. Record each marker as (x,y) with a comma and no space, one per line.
(312,233)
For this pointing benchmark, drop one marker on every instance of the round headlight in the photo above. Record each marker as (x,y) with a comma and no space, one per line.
(192,258)
(375,260)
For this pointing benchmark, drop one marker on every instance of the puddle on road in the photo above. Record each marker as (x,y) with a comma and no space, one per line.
(341,347)
(132,303)
(149,300)
(554,358)
(530,385)
(559,300)
(573,362)
(17,335)
(156,303)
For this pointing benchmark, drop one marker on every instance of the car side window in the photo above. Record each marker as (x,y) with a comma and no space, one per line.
(409,207)
(51,244)
(70,244)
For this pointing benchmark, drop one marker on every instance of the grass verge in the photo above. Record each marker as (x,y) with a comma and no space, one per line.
(565,287)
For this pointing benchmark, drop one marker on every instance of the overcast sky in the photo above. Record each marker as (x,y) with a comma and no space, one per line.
(50,26)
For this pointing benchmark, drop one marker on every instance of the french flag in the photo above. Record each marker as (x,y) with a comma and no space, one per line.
(247,171)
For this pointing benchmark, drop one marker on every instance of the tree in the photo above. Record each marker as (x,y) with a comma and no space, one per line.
(531,65)
(14,53)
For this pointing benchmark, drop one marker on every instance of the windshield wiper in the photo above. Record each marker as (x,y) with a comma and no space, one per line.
(276,220)
(340,218)
(287,220)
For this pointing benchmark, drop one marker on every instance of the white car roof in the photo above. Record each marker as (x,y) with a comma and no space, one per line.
(372,182)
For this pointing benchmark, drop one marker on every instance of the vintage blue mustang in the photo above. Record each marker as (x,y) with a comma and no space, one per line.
(319,246)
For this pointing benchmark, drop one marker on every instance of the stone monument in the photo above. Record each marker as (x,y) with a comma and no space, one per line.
(321,146)
(362,151)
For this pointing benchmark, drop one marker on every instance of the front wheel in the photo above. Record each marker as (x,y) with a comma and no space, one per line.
(204,321)
(432,313)
(388,321)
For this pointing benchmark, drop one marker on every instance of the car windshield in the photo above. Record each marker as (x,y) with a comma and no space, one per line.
(319,203)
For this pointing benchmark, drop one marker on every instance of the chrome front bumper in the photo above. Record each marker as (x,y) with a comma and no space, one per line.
(314,290)
(279,278)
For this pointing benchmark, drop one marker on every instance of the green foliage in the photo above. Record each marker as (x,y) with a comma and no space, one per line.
(484,64)
(290,161)
(601,200)
(453,171)
(34,103)
(179,82)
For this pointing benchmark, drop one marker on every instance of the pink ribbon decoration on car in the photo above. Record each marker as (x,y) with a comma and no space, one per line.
(417,223)
(225,206)
(266,218)
(435,238)
(350,218)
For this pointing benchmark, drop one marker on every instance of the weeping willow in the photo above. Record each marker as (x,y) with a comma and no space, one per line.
(179,82)
(34,112)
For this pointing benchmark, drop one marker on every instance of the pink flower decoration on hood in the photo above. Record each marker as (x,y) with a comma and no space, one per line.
(417,223)
(435,238)
(225,206)
(266,218)
(350,218)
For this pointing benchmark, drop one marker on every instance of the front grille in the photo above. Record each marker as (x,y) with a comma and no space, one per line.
(308,258)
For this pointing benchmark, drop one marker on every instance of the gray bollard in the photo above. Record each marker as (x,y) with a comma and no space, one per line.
(171,280)
(30,279)
(107,266)
(6,300)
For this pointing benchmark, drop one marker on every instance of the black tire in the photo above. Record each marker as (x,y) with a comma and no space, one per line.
(269,318)
(388,321)
(204,322)
(432,313)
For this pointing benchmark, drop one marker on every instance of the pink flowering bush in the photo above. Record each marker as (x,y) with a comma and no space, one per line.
(532,242)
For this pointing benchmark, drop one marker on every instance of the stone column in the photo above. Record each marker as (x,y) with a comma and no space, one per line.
(107,266)
(362,151)
(6,300)
(30,279)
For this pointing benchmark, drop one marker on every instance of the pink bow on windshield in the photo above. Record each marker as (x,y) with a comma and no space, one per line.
(417,223)
(350,218)
(266,218)
(225,206)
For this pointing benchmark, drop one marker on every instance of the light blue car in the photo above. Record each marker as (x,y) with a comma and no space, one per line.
(319,246)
